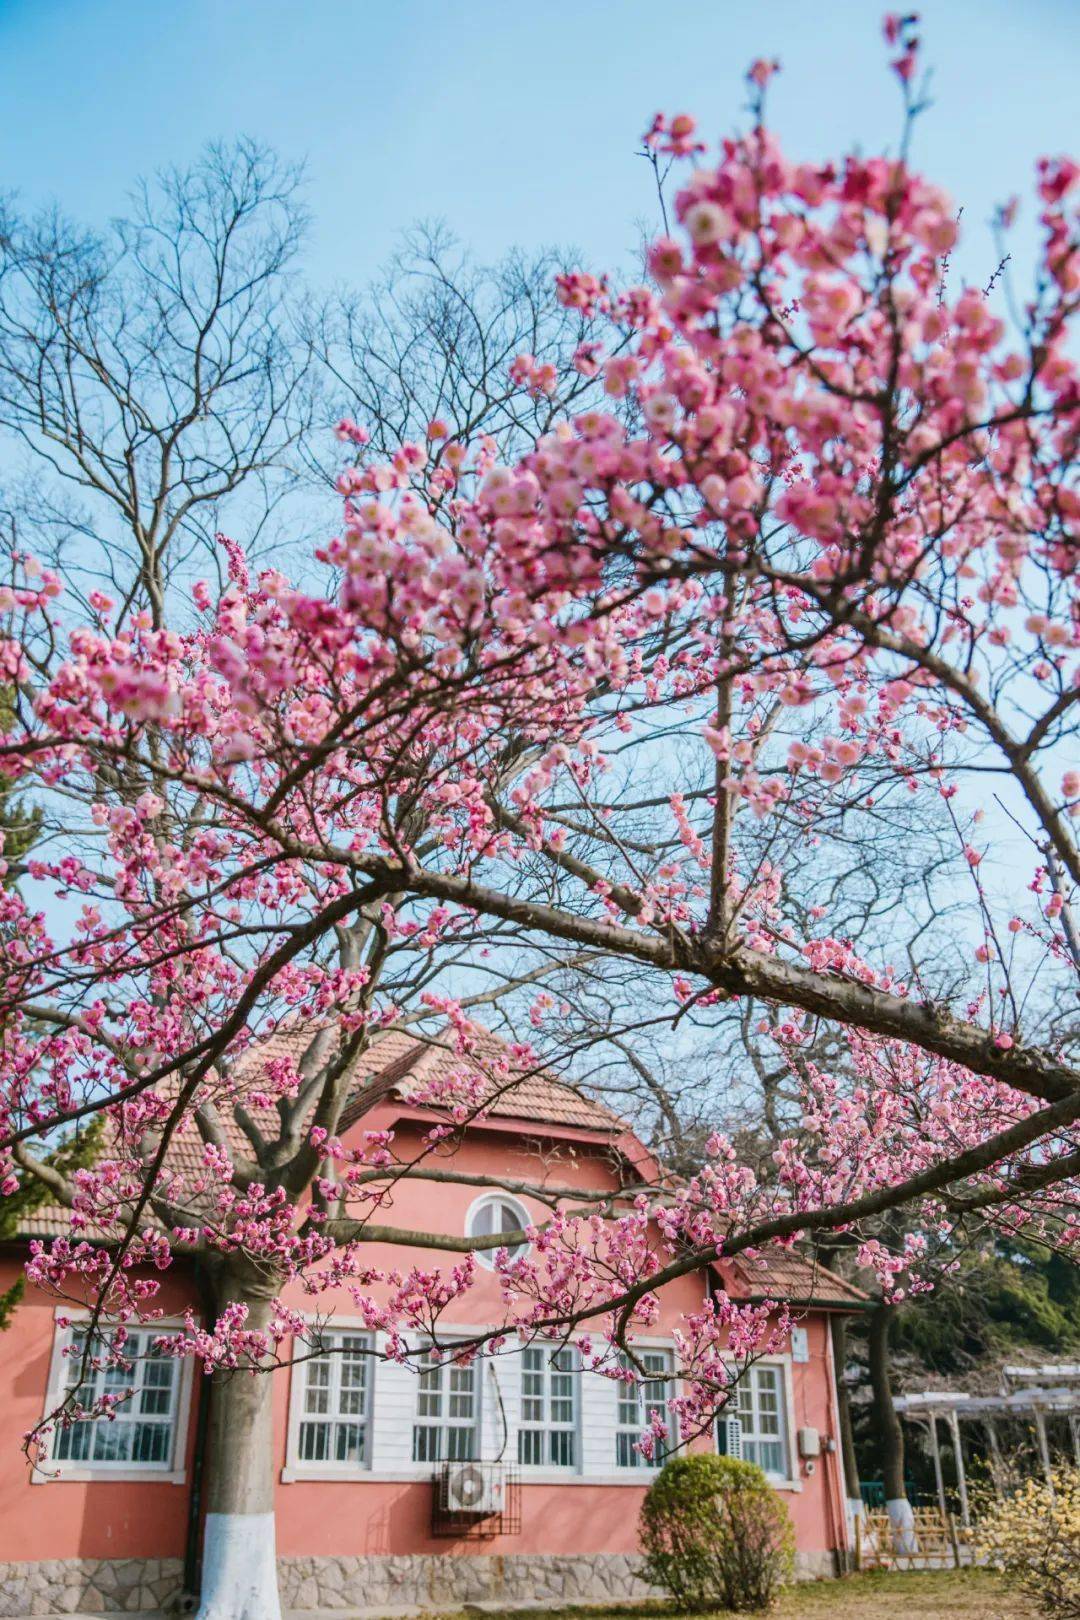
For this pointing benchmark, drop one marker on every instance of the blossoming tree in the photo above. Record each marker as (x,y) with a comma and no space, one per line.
(602,705)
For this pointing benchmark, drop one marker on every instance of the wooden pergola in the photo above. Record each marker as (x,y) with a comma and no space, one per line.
(1030,1393)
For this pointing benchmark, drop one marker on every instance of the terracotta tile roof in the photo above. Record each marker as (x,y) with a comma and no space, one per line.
(785,1275)
(397,1064)
(403,1065)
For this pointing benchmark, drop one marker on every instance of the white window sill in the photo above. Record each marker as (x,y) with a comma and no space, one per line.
(293,1475)
(49,1473)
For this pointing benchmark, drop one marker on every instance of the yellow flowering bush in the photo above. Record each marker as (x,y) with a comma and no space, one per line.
(1033,1538)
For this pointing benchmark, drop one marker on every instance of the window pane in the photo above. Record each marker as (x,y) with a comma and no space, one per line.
(425,1444)
(549,1384)
(429,1388)
(353,1369)
(150,1442)
(493,1218)
(562,1448)
(637,1404)
(155,1397)
(460,1445)
(762,1413)
(530,1446)
(446,1410)
(336,1390)
(143,1402)
(73,1444)
(771,1454)
(117,1380)
(112,1441)
(348,1443)
(314,1441)
(317,1391)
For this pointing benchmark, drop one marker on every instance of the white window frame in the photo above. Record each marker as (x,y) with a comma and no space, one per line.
(173,1471)
(632,1409)
(596,1406)
(443,1422)
(782,1366)
(547,1369)
(298,1467)
(486,1257)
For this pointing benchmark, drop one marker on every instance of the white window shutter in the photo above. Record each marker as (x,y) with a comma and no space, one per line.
(599,1423)
(500,1376)
(729,1437)
(393,1412)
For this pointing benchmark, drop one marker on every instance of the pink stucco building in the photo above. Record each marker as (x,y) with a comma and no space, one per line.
(362,1446)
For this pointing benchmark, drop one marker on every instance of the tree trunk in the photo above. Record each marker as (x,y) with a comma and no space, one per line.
(843,1407)
(890,1434)
(239,1563)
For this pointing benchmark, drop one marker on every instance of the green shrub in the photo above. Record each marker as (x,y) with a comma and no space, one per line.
(715,1534)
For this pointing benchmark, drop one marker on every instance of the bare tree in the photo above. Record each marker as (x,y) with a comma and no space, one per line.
(153,369)
(435,336)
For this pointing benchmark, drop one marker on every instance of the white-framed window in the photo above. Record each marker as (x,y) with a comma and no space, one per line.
(335,1400)
(550,1402)
(491,1215)
(145,1435)
(761,1406)
(637,1402)
(447,1423)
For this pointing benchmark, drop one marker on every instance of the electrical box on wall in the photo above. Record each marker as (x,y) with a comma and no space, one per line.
(809,1443)
(800,1344)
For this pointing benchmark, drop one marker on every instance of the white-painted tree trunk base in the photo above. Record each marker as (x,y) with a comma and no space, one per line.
(902,1520)
(239,1568)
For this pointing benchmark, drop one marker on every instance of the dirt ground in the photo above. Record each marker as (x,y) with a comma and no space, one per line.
(963,1594)
(939,1595)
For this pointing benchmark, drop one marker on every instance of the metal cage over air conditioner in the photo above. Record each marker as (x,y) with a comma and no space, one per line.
(475,1501)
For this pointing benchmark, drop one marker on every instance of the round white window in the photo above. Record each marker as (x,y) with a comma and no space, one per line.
(489,1217)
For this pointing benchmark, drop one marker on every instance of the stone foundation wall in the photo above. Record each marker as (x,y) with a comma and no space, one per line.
(815,1566)
(88,1585)
(419,1581)
(424,1581)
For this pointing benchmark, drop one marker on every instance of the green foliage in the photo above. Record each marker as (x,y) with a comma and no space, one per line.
(74,1153)
(715,1534)
(1007,1300)
(8,1301)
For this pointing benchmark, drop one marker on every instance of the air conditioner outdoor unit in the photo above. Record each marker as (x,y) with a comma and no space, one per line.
(471,1487)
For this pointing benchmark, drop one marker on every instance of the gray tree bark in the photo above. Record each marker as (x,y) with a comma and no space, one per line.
(890,1434)
(839,1329)
(239,1565)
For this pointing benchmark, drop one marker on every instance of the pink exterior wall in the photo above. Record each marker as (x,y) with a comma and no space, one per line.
(99,1519)
(72,1518)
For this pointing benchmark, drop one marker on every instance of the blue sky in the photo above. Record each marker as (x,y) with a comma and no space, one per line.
(516,123)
